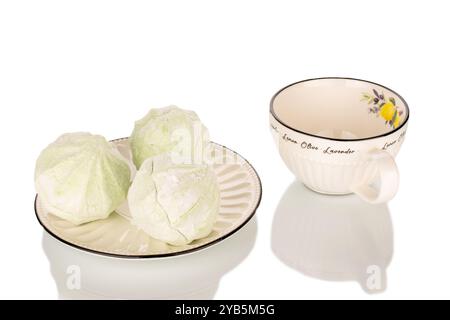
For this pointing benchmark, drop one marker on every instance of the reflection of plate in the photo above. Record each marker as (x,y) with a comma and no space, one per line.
(191,276)
(240,194)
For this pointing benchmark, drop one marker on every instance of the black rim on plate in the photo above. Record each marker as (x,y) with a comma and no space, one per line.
(272,112)
(160,255)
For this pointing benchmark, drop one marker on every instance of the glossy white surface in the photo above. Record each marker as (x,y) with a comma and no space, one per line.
(336,238)
(82,275)
(99,65)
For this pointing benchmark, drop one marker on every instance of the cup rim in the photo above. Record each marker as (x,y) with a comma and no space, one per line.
(272,112)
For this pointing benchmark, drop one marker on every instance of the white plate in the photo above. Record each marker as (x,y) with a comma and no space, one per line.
(240,195)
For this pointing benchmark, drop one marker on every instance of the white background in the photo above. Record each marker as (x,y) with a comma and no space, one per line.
(99,65)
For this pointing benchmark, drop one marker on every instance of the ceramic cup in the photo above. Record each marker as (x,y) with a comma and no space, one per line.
(340,135)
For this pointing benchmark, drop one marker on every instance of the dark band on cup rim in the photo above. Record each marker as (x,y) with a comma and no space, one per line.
(272,112)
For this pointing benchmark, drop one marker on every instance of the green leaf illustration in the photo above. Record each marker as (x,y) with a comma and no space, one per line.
(391,99)
(394,117)
(365,97)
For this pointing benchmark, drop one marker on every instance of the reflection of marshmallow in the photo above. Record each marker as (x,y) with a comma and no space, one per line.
(192,276)
(336,238)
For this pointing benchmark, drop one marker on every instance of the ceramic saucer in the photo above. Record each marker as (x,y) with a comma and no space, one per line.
(240,195)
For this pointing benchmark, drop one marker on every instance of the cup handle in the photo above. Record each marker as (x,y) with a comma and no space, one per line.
(385,173)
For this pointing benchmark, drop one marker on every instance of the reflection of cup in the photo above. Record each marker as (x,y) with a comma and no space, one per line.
(340,135)
(333,238)
(82,275)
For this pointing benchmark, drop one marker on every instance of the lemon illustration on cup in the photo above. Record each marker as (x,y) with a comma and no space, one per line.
(384,108)
(387,111)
